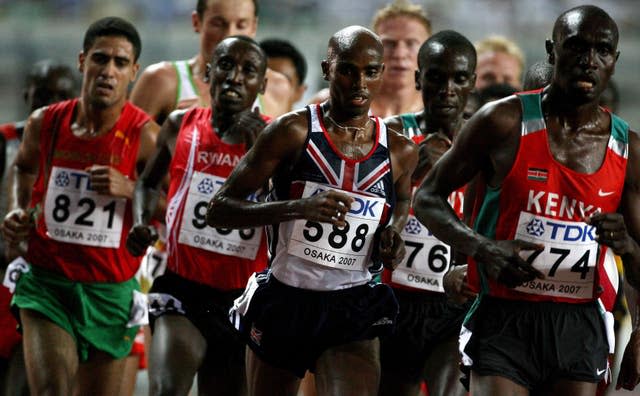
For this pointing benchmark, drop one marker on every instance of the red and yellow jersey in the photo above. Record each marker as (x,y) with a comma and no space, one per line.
(218,257)
(79,232)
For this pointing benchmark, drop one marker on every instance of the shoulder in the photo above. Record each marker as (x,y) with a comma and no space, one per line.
(164,71)
(401,145)
(496,120)
(394,123)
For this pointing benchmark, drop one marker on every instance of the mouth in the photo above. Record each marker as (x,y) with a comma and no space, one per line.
(359,99)
(104,87)
(394,70)
(230,94)
(585,82)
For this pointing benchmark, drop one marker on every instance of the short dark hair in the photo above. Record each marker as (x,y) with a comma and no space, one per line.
(279,48)
(42,70)
(202,5)
(452,40)
(112,26)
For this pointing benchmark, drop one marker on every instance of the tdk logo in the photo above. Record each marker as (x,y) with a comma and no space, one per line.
(561,231)
(76,180)
(363,207)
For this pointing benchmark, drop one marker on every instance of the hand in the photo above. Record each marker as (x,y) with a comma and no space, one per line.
(16,226)
(392,249)
(430,151)
(109,181)
(629,375)
(502,261)
(611,231)
(456,286)
(139,238)
(249,124)
(327,207)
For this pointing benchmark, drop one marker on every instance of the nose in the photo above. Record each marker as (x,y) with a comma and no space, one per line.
(588,58)
(235,75)
(448,88)
(109,69)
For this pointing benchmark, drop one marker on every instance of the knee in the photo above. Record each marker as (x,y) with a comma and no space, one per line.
(166,386)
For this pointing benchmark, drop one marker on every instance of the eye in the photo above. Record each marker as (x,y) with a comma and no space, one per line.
(604,50)
(372,72)
(224,64)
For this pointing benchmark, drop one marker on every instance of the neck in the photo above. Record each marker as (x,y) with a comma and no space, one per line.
(94,120)
(572,114)
(391,101)
(198,66)
(446,126)
(356,125)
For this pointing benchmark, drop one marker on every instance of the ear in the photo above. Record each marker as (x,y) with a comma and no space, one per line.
(81,59)
(207,73)
(617,55)
(195,21)
(416,76)
(325,69)
(551,58)
(472,80)
(299,92)
(134,71)
(263,86)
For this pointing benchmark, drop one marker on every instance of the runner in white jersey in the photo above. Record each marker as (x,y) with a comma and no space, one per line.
(342,186)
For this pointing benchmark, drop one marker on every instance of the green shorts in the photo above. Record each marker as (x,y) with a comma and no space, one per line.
(95,314)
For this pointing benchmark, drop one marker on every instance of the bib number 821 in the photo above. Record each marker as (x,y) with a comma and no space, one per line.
(61,210)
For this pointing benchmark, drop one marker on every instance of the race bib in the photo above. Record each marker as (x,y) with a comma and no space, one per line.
(14,271)
(74,213)
(346,248)
(568,259)
(426,261)
(194,231)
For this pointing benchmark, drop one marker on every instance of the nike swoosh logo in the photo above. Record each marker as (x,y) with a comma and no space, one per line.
(604,194)
(599,372)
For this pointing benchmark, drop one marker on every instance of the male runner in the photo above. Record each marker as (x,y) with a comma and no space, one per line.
(342,187)
(167,86)
(500,61)
(425,344)
(286,59)
(553,165)
(207,267)
(73,177)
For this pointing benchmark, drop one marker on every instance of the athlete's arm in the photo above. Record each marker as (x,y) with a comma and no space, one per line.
(148,187)
(404,157)
(156,90)
(16,224)
(487,143)
(276,149)
(629,376)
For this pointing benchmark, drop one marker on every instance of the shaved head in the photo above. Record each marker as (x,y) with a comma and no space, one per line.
(346,39)
(447,40)
(595,16)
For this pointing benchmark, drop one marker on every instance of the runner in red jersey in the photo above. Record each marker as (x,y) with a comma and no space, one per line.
(207,267)
(47,82)
(559,192)
(73,177)
(425,343)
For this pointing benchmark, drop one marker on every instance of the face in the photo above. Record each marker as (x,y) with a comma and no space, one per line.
(584,57)
(498,68)
(446,79)
(223,18)
(236,77)
(401,38)
(108,68)
(54,88)
(286,67)
(355,77)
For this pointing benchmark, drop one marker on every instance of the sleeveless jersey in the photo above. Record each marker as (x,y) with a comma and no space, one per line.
(11,133)
(220,258)
(188,94)
(427,258)
(79,232)
(543,201)
(319,256)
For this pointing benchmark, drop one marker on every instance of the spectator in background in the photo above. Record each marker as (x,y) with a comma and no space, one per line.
(500,61)
(286,59)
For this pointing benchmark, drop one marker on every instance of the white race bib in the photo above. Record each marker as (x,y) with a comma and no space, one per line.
(346,248)
(74,213)
(195,232)
(568,260)
(426,261)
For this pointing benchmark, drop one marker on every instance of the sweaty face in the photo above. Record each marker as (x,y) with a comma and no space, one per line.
(585,57)
(223,18)
(54,89)
(401,38)
(355,77)
(498,68)
(446,79)
(236,76)
(108,68)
